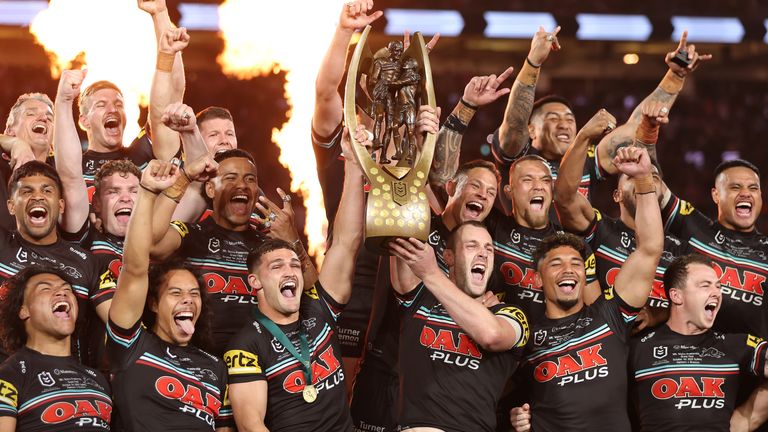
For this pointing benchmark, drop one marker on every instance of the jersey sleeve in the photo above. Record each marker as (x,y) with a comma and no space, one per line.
(242,357)
(123,344)
(750,350)
(225,417)
(678,214)
(330,307)
(330,170)
(619,315)
(140,150)
(106,284)
(517,318)
(10,385)
(409,299)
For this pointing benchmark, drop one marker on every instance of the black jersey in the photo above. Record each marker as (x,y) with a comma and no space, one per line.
(353,322)
(255,355)
(613,242)
(220,256)
(514,272)
(159,386)
(577,368)
(689,383)
(139,152)
(48,393)
(90,278)
(592,172)
(446,380)
(741,264)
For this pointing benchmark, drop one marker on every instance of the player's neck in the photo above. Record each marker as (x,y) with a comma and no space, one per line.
(448,218)
(554,311)
(98,147)
(626,218)
(48,240)
(41,152)
(721,220)
(530,225)
(681,324)
(278,317)
(224,223)
(45,344)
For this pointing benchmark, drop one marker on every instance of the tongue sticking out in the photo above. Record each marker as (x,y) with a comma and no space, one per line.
(186,326)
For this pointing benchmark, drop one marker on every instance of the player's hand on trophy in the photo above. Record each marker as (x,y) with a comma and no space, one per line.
(600,124)
(152,7)
(427,120)
(419,256)
(362,136)
(542,44)
(179,117)
(429,45)
(633,161)
(688,59)
(159,175)
(354,14)
(69,84)
(174,40)
(279,220)
(482,90)
(656,112)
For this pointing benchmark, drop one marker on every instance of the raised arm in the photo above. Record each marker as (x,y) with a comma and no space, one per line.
(249,405)
(164,92)
(19,150)
(328,105)
(665,94)
(635,279)
(481,90)
(133,283)
(513,132)
(339,264)
(69,153)
(491,332)
(575,210)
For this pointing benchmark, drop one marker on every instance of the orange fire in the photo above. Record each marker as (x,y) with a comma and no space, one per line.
(113,39)
(263,37)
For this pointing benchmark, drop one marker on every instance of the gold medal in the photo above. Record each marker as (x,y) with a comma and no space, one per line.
(309,393)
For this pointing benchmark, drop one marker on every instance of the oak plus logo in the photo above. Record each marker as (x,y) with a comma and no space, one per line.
(690,392)
(587,364)
(451,348)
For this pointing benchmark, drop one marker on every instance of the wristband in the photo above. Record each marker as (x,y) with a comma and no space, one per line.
(647,133)
(148,189)
(528,60)
(672,83)
(460,117)
(529,73)
(177,189)
(644,185)
(165,61)
(467,104)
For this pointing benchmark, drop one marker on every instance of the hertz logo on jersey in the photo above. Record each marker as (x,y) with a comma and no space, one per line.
(519,316)
(686,208)
(753,341)
(241,362)
(8,394)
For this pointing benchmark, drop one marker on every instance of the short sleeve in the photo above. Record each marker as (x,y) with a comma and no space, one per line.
(10,384)
(518,319)
(123,343)
(107,282)
(242,359)
(619,315)
(751,350)
(677,214)
(140,150)
(330,307)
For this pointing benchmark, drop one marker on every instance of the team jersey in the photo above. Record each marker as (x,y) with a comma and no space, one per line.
(160,386)
(591,175)
(612,241)
(446,380)
(689,383)
(353,322)
(255,355)
(741,263)
(139,152)
(577,368)
(48,393)
(220,256)
(90,278)
(514,274)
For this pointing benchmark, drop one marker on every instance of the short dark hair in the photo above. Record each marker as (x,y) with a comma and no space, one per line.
(33,168)
(676,274)
(124,167)
(234,153)
(13,335)
(466,167)
(453,237)
(158,277)
(557,240)
(213,112)
(84,101)
(733,163)
(526,158)
(549,99)
(265,247)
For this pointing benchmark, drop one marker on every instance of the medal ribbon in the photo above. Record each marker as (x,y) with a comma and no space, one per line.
(303,356)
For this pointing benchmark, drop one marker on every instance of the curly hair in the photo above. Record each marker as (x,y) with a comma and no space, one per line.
(557,240)
(13,335)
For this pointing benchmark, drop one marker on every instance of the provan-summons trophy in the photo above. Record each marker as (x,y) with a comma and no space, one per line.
(389,86)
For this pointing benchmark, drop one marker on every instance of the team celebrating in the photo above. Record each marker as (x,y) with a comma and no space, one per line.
(156,287)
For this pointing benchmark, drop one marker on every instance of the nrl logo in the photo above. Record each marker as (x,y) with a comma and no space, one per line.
(21,255)
(539,337)
(434,238)
(625,239)
(719,238)
(277,346)
(46,379)
(214,245)
(659,352)
(515,236)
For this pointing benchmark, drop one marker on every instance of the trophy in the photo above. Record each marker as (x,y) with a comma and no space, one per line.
(391,85)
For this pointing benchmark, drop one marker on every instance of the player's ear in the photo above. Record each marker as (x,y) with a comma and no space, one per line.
(715,196)
(254,282)
(449,257)
(450,187)
(616,196)
(209,189)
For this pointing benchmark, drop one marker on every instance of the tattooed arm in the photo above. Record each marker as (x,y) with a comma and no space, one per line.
(513,133)
(664,95)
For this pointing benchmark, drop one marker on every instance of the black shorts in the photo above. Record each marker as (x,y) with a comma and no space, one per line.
(374,399)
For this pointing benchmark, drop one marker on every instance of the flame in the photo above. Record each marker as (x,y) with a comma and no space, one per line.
(263,37)
(114,38)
